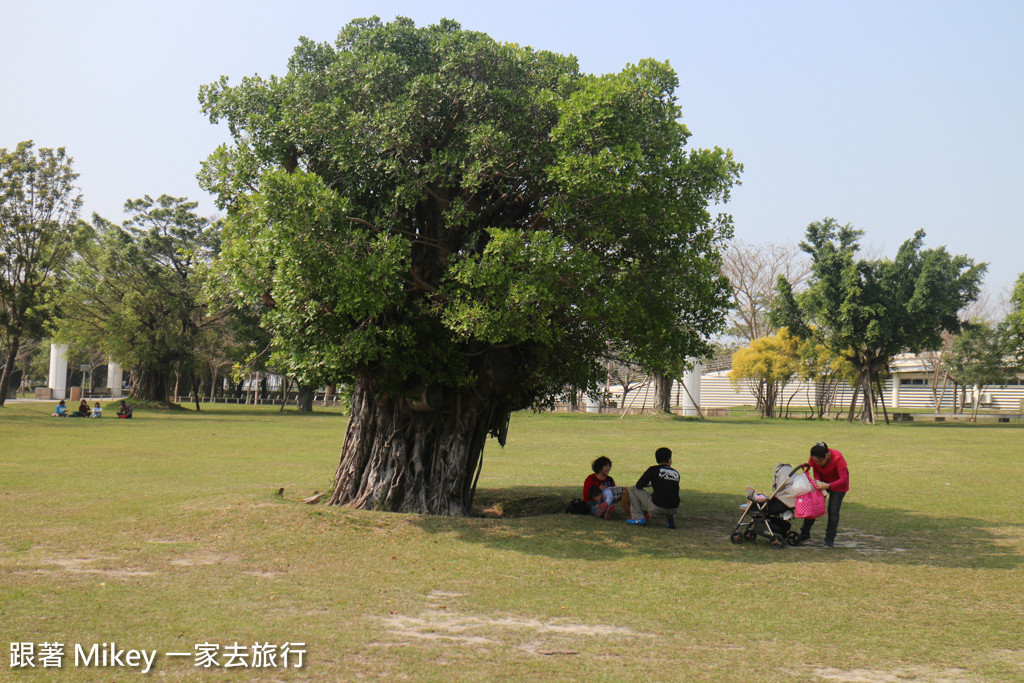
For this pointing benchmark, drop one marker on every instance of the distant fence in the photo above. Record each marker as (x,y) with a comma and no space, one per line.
(804,413)
(318,400)
(276,400)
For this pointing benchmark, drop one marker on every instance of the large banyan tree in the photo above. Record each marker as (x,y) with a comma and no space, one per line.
(460,228)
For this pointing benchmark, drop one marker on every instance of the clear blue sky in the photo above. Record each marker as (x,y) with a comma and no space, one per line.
(892,115)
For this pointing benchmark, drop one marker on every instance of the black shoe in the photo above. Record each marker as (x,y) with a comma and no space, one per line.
(829,544)
(671,524)
(805,536)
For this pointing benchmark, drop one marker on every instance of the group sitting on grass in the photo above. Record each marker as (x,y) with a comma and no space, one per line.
(601,493)
(124,410)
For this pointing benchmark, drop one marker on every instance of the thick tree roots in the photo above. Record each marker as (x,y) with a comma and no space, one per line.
(402,459)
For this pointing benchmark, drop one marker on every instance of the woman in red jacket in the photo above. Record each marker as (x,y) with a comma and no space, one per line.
(830,474)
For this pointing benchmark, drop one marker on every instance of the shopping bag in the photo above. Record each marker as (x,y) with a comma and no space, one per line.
(810,505)
(800,484)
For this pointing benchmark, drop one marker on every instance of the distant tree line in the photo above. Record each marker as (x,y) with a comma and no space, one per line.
(147,293)
(859,313)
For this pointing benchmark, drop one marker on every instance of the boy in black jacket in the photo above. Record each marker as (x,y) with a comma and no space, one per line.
(664,481)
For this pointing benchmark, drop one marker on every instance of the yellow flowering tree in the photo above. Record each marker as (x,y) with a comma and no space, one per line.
(766,366)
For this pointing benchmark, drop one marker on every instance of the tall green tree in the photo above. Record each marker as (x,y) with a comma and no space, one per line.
(870,310)
(1013,325)
(977,359)
(457,228)
(39,207)
(137,292)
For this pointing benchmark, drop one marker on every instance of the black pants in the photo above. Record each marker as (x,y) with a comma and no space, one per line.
(835,501)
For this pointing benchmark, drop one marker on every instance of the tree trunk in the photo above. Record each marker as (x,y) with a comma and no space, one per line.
(213,381)
(831,388)
(856,395)
(760,397)
(940,397)
(411,456)
(150,385)
(23,381)
(304,400)
(881,397)
(868,414)
(789,401)
(5,378)
(662,393)
(574,401)
(771,398)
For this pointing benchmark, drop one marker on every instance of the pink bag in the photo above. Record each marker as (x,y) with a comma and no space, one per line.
(810,505)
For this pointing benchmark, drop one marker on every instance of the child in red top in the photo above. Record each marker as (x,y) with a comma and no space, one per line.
(831,474)
(600,491)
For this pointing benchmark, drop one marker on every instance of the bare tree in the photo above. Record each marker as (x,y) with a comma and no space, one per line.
(986,309)
(29,348)
(752,270)
(626,375)
(936,362)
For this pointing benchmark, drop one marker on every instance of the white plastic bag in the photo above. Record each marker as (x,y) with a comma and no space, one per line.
(800,484)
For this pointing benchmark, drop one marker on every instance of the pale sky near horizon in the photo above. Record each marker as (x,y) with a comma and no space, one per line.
(893,116)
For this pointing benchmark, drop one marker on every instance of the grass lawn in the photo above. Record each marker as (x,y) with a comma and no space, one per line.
(166,533)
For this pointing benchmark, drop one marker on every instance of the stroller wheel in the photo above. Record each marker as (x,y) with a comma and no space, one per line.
(750,534)
(778,543)
(793,538)
(736,537)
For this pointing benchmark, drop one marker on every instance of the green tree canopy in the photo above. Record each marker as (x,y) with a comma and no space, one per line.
(458,228)
(1013,326)
(977,358)
(39,207)
(872,310)
(137,292)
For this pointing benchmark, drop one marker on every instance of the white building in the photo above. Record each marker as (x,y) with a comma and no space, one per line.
(912,384)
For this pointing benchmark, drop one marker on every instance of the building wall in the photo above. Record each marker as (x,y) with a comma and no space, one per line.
(716,391)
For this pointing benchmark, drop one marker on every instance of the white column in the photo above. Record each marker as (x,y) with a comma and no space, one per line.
(895,390)
(59,371)
(114,378)
(691,390)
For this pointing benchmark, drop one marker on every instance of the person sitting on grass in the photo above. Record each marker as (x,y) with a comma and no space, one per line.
(83,409)
(97,410)
(124,411)
(664,482)
(61,410)
(600,491)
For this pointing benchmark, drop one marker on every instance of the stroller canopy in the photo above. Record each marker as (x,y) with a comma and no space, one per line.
(788,483)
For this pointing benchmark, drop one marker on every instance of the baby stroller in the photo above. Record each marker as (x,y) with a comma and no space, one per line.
(769,516)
